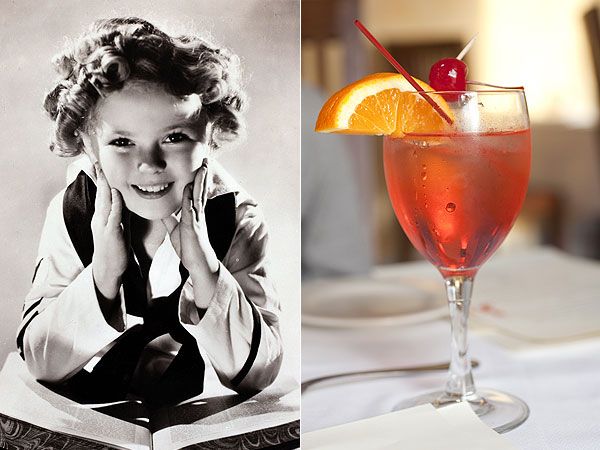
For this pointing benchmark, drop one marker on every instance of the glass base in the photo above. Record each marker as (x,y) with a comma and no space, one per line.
(500,411)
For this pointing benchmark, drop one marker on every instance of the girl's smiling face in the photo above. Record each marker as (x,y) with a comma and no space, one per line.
(149,144)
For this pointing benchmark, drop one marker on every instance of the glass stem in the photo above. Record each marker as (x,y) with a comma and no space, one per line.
(460,379)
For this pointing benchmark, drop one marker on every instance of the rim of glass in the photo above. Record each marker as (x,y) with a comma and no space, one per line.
(509,90)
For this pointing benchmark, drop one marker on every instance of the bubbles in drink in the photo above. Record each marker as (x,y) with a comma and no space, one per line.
(419,144)
(450,207)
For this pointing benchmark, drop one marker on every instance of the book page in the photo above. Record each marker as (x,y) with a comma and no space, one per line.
(23,398)
(221,413)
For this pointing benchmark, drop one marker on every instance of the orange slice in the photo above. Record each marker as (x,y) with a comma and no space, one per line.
(381,104)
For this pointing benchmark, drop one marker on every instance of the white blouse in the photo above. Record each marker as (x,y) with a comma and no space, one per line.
(63,329)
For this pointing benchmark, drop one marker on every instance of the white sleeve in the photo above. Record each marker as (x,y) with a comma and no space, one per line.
(62,325)
(239,330)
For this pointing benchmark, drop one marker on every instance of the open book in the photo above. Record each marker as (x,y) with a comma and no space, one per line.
(219,418)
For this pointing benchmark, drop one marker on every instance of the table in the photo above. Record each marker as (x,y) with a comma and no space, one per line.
(560,383)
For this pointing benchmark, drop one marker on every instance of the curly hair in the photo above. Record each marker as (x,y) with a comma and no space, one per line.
(116,50)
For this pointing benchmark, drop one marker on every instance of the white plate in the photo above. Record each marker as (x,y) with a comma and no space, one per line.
(368,302)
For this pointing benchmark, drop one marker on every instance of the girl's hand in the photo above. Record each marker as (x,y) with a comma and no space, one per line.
(110,252)
(190,237)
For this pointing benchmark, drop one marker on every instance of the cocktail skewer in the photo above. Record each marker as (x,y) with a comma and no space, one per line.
(402,70)
(465,50)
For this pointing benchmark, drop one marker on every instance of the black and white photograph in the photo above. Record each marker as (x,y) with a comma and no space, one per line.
(151,221)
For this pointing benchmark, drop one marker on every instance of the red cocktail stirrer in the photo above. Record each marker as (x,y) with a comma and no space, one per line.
(401,69)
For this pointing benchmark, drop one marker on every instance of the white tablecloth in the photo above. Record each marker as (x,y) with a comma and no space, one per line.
(559,382)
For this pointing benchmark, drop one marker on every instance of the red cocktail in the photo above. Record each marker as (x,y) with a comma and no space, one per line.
(457,194)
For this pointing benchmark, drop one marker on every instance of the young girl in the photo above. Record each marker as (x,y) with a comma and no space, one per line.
(152,259)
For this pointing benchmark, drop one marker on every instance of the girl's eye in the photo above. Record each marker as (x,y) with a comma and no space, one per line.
(121,142)
(175,138)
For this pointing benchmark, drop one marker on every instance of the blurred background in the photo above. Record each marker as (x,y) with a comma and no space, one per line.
(552,47)
(267,163)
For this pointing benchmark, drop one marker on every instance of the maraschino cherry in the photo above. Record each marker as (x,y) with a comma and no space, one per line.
(448,74)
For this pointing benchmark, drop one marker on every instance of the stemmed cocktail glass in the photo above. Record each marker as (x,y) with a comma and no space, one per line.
(456,194)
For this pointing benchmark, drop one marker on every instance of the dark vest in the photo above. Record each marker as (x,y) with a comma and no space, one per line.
(111,378)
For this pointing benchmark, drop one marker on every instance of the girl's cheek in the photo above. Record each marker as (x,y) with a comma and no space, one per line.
(184,165)
(106,159)
(199,152)
(116,167)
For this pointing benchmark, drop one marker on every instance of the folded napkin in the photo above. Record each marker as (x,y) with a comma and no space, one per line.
(538,296)
(419,428)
